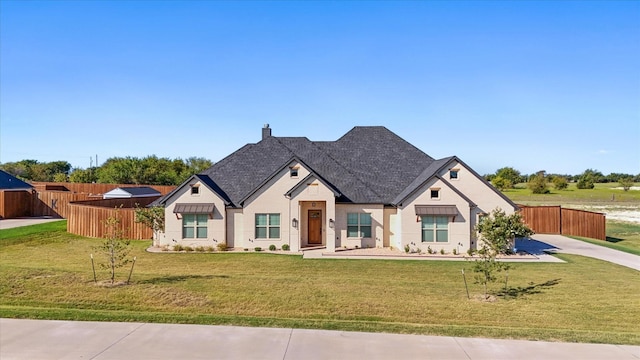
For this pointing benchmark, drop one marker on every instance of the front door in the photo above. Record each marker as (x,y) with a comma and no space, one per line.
(315,227)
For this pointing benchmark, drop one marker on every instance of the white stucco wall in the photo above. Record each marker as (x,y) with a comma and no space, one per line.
(411,224)
(377,225)
(462,235)
(216,224)
(271,199)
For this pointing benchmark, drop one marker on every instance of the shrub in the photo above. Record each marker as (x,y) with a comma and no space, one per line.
(430,250)
(222,246)
(501,183)
(442,252)
(199,248)
(626,183)
(257,248)
(188,249)
(585,183)
(470,252)
(538,184)
(455,252)
(407,248)
(245,249)
(419,251)
(178,247)
(209,249)
(285,247)
(272,247)
(560,183)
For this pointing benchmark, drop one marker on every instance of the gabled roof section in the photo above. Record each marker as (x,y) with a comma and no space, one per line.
(432,172)
(481,178)
(245,170)
(10,182)
(427,174)
(203,179)
(312,176)
(137,191)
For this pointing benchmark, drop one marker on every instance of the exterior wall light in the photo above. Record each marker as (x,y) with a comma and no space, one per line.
(294,223)
(332,223)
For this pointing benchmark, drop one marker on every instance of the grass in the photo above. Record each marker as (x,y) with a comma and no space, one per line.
(621,236)
(46,273)
(601,194)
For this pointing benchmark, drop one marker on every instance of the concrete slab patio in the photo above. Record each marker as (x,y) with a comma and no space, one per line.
(50,339)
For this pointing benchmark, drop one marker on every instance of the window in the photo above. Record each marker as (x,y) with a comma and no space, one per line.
(195,190)
(194,226)
(435,193)
(358,225)
(453,174)
(435,228)
(293,172)
(267,226)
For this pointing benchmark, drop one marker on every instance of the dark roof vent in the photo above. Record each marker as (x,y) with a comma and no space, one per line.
(266,131)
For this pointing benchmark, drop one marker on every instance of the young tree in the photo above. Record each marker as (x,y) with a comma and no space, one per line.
(152,217)
(497,232)
(114,247)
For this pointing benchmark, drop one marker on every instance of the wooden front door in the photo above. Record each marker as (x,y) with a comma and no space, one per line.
(315,227)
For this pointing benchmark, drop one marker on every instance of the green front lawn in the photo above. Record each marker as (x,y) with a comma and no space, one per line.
(621,236)
(46,273)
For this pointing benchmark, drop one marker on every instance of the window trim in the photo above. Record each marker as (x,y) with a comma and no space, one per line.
(195,190)
(360,226)
(268,226)
(431,191)
(294,172)
(434,229)
(196,226)
(457,174)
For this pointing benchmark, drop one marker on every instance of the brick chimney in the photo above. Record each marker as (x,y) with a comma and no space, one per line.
(266,131)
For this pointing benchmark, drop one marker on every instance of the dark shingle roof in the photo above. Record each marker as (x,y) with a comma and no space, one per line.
(141,190)
(369,164)
(10,182)
(366,165)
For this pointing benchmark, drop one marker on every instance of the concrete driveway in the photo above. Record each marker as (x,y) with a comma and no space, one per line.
(48,339)
(543,243)
(13,223)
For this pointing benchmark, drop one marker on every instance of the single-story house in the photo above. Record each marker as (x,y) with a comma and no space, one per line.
(369,188)
(131,192)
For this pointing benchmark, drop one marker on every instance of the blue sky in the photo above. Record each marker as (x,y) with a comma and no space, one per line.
(549,86)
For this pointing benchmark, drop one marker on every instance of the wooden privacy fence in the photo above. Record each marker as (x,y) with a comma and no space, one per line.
(87,218)
(15,204)
(54,203)
(557,220)
(52,199)
(90,188)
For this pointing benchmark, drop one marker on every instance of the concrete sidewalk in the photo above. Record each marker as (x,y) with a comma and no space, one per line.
(46,339)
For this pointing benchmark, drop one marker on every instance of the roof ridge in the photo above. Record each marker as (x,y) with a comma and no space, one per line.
(346,169)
